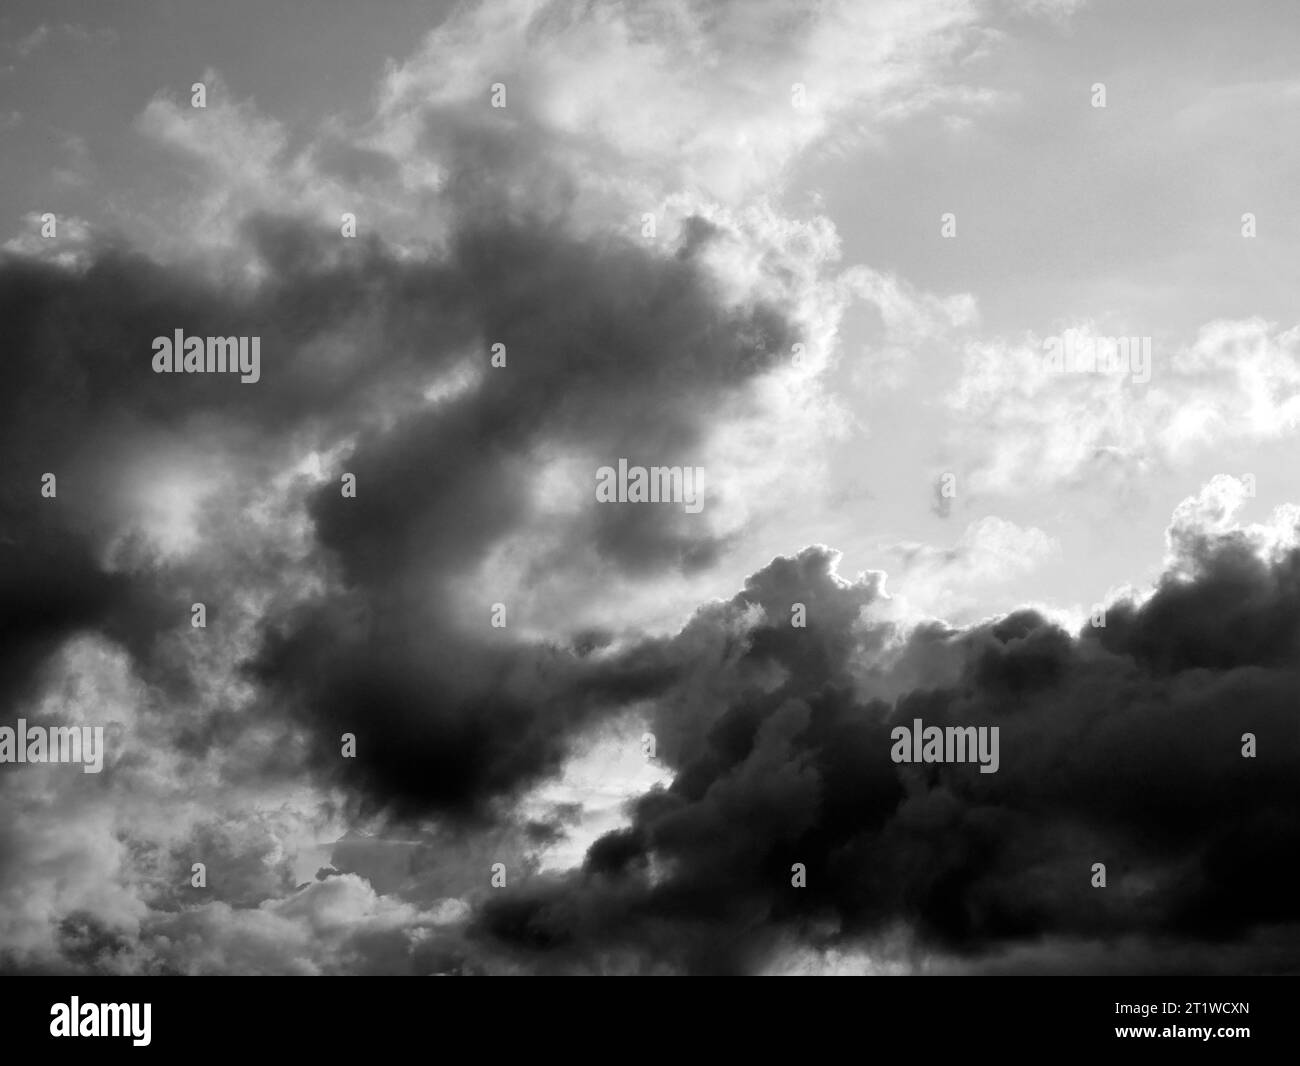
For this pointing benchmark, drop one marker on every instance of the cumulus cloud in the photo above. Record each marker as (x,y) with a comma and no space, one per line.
(1120,745)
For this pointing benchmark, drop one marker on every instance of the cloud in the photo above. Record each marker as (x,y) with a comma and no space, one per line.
(71,247)
(676,96)
(29,44)
(1120,745)
(336,925)
(943,581)
(82,36)
(1025,427)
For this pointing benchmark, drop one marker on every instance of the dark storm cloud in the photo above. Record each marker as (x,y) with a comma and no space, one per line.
(81,402)
(611,353)
(50,586)
(610,350)
(1121,745)
(614,350)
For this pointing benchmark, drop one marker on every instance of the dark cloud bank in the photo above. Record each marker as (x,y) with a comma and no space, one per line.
(1119,745)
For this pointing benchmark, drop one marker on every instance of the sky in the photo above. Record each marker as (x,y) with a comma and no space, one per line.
(819,251)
